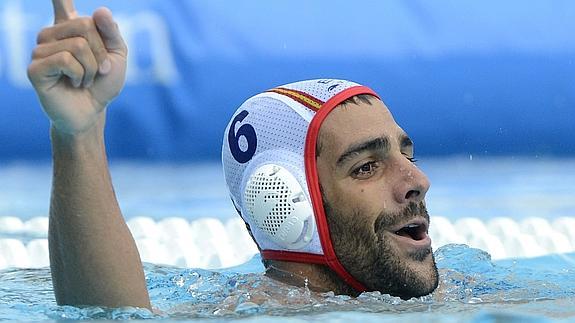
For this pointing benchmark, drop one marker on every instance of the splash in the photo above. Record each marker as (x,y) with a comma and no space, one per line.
(471,286)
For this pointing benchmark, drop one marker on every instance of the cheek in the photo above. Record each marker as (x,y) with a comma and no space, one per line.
(367,199)
(364,198)
(359,211)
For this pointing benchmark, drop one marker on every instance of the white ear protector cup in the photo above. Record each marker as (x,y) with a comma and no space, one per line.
(278,207)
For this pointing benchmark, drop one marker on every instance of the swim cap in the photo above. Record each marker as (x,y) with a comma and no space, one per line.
(269,161)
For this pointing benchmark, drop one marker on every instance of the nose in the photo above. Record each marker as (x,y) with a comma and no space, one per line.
(412,184)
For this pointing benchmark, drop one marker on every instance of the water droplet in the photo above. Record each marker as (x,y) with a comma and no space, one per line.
(475,300)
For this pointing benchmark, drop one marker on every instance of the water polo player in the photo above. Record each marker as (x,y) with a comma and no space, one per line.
(320,172)
(325,181)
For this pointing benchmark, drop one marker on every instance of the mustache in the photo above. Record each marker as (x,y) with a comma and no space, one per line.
(413,210)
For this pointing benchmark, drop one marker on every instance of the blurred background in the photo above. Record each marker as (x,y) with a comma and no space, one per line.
(483,78)
(486,89)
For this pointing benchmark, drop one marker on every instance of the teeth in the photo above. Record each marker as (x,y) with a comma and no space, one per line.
(411,226)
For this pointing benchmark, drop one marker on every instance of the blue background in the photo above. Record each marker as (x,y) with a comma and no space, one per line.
(463,78)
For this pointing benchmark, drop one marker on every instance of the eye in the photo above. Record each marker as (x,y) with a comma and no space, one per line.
(365,170)
(410,158)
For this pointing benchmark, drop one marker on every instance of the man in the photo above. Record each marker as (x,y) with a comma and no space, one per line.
(319,170)
(325,181)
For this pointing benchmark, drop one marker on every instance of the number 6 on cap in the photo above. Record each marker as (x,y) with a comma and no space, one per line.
(247,131)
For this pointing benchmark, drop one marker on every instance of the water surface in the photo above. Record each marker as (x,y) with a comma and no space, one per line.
(472,288)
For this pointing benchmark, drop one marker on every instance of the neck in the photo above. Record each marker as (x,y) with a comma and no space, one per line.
(318,278)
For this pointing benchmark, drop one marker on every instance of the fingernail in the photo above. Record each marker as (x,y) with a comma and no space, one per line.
(105,67)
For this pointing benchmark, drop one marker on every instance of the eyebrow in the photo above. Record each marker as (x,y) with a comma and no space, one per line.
(380,144)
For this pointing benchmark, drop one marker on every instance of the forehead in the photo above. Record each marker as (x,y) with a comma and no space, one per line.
(352,123)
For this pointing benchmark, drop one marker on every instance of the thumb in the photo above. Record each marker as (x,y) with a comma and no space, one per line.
(109,31)
(63,10)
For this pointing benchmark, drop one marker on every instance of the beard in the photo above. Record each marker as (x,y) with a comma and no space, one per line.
(373,260)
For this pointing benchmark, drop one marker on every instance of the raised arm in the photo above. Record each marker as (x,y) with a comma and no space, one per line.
(77,68)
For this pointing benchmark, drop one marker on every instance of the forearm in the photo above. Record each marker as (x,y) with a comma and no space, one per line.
(93,256)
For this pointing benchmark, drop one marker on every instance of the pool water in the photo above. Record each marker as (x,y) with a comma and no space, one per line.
(473,287)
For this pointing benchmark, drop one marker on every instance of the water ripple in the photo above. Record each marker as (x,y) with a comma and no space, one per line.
(472,287)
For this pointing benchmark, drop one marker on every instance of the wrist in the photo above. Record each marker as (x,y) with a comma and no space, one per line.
(90,138)
(75,121)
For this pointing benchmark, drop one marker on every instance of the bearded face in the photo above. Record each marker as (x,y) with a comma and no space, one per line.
(372,255)
(373,194)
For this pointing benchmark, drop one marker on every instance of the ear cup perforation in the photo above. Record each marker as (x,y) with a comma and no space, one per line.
(272,200)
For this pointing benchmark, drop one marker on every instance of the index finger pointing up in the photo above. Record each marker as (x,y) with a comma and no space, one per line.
(63,10)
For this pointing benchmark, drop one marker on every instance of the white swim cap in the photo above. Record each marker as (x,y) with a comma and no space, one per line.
(269,161)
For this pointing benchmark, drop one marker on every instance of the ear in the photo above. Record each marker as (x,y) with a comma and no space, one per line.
(277,206)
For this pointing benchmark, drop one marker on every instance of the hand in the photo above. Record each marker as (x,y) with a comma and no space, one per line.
(78,67)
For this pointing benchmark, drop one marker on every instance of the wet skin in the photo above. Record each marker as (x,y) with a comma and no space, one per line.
(375,200)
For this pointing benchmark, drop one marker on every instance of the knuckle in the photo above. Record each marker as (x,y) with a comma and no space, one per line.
(66,58)
(86,23)
(101,54)
(78,45)
(34,72)
(42,36)
(98,48)
(37,52)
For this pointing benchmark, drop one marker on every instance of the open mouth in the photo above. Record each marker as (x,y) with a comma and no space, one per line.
(414,230)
